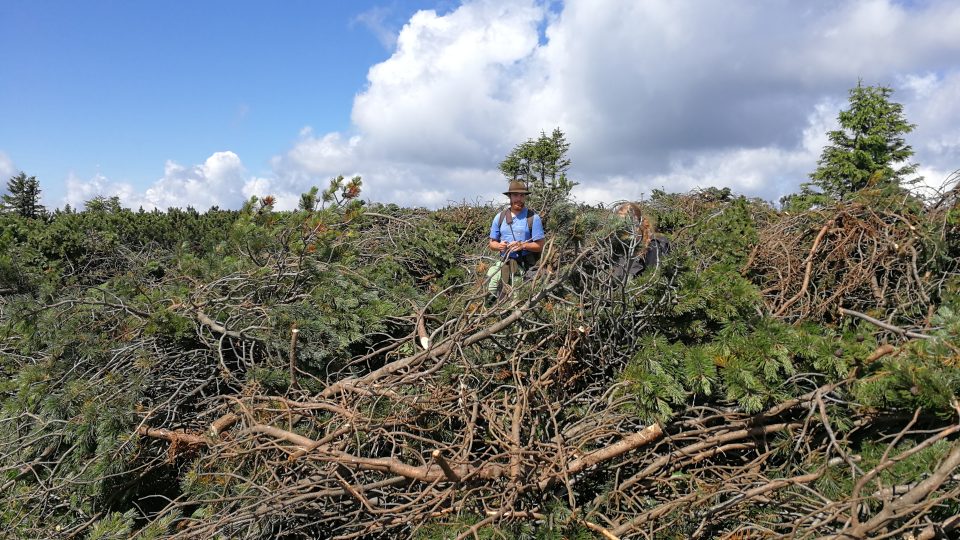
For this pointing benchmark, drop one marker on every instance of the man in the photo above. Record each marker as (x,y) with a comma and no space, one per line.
(517,233)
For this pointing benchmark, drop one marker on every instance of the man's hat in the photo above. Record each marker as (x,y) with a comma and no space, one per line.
(516,187)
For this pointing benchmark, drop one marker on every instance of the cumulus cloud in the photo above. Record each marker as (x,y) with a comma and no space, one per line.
(770,172)
(221,180)
(446,94)
(933,104)
(657,94)
(217,182)
(437,116)
(313,155)
(79,190)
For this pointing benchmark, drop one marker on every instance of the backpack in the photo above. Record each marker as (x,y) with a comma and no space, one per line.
(628,265)
(530,258)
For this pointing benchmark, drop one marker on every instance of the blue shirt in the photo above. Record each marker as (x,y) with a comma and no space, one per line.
(518,231)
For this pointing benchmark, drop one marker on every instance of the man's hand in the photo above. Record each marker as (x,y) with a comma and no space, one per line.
(516,245)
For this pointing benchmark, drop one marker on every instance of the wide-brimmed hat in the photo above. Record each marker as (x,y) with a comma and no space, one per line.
(516,187)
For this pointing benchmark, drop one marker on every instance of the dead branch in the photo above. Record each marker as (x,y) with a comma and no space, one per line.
(885,326)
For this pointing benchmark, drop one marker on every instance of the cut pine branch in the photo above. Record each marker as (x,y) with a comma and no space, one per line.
(809,268)
(886,326)
(643,437)
(175,437)
(456,340)
(909,503)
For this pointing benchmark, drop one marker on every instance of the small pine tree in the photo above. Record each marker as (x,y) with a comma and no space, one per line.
(23,197)
(104,204)
(541,163)
(867,147)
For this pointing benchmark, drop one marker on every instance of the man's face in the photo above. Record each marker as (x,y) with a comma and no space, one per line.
(518,200)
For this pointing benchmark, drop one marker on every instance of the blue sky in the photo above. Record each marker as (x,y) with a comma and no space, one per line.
(201,103)
(120,87)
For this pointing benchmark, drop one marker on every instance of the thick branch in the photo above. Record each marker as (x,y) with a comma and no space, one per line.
(643,437)
(885,326)
(906,504)
(808,271)
(173,436)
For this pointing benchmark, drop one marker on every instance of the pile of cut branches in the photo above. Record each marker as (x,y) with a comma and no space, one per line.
(337,372)
(853,256)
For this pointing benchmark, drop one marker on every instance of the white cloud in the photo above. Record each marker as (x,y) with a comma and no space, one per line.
(218,181)
(933,104)
(375,19)
(654,94)
(447,95)
(221,181)
(325,155)
(7,168)
(80,191)
(878,38)
(315,160)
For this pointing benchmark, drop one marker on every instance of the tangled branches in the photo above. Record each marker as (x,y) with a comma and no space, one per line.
(852,256)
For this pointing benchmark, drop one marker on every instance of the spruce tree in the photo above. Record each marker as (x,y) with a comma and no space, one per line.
(23,197)
(542,162)
(868,146)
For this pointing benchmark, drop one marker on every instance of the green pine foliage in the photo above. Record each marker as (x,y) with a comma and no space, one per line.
(542,164)
(926,373)
(869,151)
(23,197)
(868,146)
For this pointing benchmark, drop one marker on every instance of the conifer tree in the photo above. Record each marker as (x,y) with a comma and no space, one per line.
(23,196)
(541,163)
(867,148)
